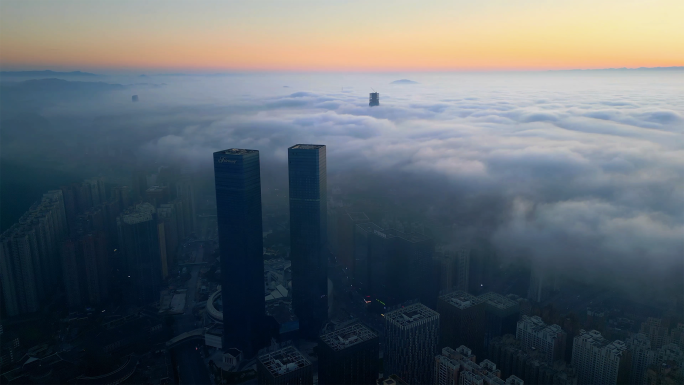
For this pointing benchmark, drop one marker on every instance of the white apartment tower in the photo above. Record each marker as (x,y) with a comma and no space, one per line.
(547,340)
(596,359)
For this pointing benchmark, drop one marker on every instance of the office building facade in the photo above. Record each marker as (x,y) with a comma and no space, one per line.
(140,265)
(393,266)
(463,320)
(411,341)
(238,203)
(308,232)
(501,314)
(349,355)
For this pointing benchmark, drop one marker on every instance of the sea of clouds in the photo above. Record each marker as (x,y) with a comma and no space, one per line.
(582,169)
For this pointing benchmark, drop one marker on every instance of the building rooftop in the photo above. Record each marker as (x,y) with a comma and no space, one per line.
(157,189)
(498,301)
(358,216)
(461,300)
(595,338)
(284,361)
(237,151)
(136,217)
(411,315)
(411,237)
(348,336)
(307,146)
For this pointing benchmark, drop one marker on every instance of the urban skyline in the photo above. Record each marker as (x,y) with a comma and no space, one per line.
(341,192)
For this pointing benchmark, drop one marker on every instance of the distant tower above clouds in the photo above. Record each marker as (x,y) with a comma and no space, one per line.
(374,99)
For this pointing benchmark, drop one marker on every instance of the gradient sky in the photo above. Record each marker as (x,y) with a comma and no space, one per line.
(341,35)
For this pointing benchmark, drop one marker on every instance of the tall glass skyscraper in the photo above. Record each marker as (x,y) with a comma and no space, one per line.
(308,233)
(238,204)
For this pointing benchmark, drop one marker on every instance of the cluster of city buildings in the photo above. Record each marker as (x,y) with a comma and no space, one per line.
(92,245)
(397,269)
(75,238)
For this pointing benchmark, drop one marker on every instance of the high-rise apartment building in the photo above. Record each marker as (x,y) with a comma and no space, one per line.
(98,266)
(639,356)
(238,203)
(657,332)
(501,314)
(139,250)
(453,268)
(513,361)
(349,355)
(463,320)
(29,255)
(458,366)
(597,360)
(73,272)
(284,366)
(548,340)
(308,232)
(167,214)
(411,340)
(185,191)
(446,370)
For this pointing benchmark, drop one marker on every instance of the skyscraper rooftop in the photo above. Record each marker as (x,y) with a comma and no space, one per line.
(237,151)
(461,299)
(284,361)
(307,146)
(411,315)
(498,301)
(348,336)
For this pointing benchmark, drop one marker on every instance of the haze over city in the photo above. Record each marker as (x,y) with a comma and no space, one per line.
(527,155)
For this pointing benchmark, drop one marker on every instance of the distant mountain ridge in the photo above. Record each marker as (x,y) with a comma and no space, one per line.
(404,81)
(626,69)
(46,73)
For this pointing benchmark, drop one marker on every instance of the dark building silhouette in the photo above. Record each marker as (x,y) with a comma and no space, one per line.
(502,314)
(71,266)
(463,320)
(157,195)
(374,99)
(30,265)
(139,252)
(185,192)
(308,222)
(346,225)
(238,204)
(483,267)
(97,266)
(393,266)
(284,366)
(348,356)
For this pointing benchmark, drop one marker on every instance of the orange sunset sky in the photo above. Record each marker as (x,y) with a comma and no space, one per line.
(340,35)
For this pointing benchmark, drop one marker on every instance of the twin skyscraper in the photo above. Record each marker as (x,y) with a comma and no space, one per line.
(238,203)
